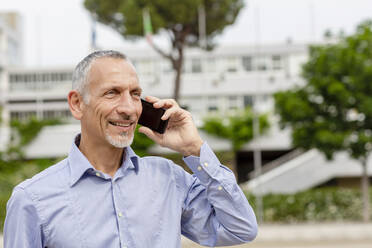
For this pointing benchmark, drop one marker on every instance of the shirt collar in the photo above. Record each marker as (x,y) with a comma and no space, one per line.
(129,153)
(79,164)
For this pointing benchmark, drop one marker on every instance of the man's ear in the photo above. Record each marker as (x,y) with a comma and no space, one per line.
(76,104)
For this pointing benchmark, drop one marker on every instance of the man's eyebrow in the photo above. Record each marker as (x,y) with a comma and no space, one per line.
(139,89)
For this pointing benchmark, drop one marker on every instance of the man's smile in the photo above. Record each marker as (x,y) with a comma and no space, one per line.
(123,126)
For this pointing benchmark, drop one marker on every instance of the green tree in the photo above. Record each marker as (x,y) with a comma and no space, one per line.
(333,110)
(22,135)
(178,20)
(1,120)
(237,128)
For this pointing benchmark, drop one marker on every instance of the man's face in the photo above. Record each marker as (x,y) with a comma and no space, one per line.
(114,103)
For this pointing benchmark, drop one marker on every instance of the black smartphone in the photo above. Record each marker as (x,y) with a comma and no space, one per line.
(151,117)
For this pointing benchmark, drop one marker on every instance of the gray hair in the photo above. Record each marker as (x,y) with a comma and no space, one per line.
(81,71)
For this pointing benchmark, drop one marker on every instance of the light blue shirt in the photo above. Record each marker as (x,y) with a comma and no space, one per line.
(149,202)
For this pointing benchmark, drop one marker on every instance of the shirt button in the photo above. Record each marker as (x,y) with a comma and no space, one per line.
(120,214)
(205,164)
(98,175)
(219,187)
(199,168)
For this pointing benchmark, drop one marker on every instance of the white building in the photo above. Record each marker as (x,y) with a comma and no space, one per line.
(10,39)
(37,92)
(10,55)
(223,80)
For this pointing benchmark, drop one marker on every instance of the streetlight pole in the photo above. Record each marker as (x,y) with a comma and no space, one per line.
(257,159)
(256,126)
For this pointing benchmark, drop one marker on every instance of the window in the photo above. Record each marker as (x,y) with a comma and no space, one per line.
(210,65)
(212,108)
(261,63)
(247,63)
(69,76)
(21,101)
(212,103)
(12,78)
(45,77)
(277,62)
(231,65)
(22,115)
(233,102)
(54,77)
(196,66)
(57,114)
(55,100)
(17,78)
(262,67)
(248,101)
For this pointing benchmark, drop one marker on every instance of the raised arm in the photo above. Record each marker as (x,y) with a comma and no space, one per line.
(215,210)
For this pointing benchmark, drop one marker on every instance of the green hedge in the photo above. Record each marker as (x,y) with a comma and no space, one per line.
(315,205)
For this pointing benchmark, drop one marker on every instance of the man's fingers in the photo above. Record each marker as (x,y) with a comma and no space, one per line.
(149,133)
(152,99)
(168,113)
(165,103)
(161,103)
(172,112)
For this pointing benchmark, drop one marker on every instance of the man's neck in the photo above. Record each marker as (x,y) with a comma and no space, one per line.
(102,157)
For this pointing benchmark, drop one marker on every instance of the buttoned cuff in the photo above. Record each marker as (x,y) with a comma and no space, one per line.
(204,167)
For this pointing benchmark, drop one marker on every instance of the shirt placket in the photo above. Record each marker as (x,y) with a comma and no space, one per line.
(125,239)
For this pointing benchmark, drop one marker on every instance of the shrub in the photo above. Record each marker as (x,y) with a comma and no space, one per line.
(315,205)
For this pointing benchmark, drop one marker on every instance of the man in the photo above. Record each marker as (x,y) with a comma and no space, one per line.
(104,195)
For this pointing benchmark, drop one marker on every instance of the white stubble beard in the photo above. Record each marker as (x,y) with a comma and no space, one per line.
(124,139)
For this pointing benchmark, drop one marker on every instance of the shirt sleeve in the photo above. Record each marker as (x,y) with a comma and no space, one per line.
(216,211)
(22,226)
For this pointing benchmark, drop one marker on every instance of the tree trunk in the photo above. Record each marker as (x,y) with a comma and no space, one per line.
(365,191)
(178,39)
(178,68)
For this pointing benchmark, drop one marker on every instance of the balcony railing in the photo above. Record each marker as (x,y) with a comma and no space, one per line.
(49,86)
(277,162)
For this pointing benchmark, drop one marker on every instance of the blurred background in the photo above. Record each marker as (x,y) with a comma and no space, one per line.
(281,90)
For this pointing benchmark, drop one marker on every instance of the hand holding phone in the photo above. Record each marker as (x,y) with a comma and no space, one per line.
(181,134)
(151,117)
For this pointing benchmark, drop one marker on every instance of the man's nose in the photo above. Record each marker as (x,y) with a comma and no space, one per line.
(126,105)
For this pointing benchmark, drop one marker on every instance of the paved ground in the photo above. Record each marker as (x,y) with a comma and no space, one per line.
(361,244)
(333,235)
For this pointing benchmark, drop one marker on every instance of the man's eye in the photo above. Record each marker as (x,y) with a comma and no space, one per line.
(137,94)
(110,92)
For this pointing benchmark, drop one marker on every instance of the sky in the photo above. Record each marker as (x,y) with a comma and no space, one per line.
(57,33)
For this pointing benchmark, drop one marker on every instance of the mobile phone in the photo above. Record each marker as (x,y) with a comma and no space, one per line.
(151,117)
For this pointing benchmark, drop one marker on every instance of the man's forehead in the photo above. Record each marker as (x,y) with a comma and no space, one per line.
(130,83)
(107,63)
(112,67)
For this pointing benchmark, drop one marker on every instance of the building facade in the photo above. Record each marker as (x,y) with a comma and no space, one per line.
(223,80)
(10,55)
